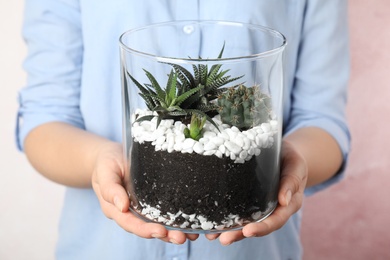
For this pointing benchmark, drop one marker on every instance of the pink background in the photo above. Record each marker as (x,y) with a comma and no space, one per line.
(352,219)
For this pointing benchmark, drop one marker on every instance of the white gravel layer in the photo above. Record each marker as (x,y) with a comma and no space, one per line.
(194,221)
(228,141)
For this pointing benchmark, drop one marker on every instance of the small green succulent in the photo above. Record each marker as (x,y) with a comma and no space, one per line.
(196,126)
(244,107)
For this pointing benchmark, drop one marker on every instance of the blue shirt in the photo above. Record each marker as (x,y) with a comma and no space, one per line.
(73,77)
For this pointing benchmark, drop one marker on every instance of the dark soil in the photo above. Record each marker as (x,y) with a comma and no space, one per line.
(204,185)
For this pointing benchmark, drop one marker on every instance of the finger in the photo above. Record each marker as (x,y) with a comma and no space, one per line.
(176,237)
(131,223)
(227,238)
(212,236)
(113,192)
(275,221)
(192,237)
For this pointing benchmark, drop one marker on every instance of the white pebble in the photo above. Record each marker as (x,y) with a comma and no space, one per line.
(198,148)
(147,136)
(210,152)
(266,127)
(243,154)
(159,131)
(201,218)
(188,143)
(164,146)
(256,215)
(259,141)
(218,140)
(222,148)
(232,147)
(232,134)
(160,140)
(203,140)
(146,125)
(185,224)
(192,217)
(161,219)
(239,141)
(239,160)
(224,135)
(218,154)
(247,143)
(220,227)
(189,150)
(168,123)
(177,147)
(209,134)
(274,125)
(210,146)
(195,226)
(180,138)
(171,141)
(235,129)
(259,130)
(207,225)
(249,134)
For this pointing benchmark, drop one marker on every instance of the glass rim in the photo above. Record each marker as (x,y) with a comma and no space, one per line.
(259,55)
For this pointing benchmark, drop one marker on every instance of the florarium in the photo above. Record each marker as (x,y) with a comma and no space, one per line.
(202,122)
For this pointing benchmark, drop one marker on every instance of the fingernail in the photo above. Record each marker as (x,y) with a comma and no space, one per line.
(156,235)
(118,204)
(288,197)
(173,241)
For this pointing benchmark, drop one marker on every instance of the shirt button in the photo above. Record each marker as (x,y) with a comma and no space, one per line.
(188,29)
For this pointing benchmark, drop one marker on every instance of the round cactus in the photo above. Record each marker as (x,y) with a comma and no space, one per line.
(244,107)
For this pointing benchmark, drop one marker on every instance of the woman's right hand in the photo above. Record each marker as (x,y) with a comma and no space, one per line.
(107,182)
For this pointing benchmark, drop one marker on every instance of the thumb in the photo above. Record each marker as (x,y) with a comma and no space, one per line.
(112,190)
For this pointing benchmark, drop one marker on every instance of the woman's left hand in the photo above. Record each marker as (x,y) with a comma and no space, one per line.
(292,185)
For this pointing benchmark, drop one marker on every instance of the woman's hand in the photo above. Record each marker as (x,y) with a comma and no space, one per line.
(292,184)
(107,182)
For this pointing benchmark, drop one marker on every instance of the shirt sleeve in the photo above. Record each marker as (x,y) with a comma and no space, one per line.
(319,94)
(52,32)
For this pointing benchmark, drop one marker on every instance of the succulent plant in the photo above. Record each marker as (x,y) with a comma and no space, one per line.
(196,126)
(212,80)
(185,94)
(169,103)
(244,107)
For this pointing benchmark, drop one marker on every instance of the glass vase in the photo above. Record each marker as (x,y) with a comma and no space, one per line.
(202,123)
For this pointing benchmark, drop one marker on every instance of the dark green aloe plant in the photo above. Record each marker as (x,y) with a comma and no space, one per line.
(169,103)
